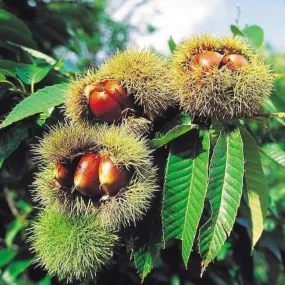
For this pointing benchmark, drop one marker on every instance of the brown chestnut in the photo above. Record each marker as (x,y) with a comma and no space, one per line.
(107,100)
(63,174)
(207,59)
(86,178)
(233,61)
(112,178)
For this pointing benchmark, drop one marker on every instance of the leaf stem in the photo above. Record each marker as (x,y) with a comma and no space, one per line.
(279,75)
(280,115)
(8,82)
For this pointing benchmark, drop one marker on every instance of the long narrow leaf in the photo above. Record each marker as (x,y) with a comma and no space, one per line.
(36,103)
(185,188)
(256,186)
(224,193)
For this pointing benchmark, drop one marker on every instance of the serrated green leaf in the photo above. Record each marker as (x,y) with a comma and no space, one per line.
(6,256)
(224,193)
(33,74)
(255,35)
(275,152)
(145,253)
(256,186)
(171,44)
(185,188)
(10,140)
(180,125)
(36,103)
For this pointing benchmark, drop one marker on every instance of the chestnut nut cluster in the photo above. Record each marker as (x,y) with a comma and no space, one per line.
(211,59)
(107,100)
(93,175)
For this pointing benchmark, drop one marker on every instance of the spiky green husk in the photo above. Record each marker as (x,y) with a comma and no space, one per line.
(144,75)
(76,103)
(123,146)
(71,248)
(219,93)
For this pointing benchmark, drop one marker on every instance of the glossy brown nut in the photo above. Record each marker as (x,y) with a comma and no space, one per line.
(233,61)
(86,178)
(115,89)
(63,174)
(104,107)
(207,59)
(112,178)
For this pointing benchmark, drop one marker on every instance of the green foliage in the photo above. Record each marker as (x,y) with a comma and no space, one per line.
(256,186)
(6,255)
(254,34)
(39,102)
(10,140)
(171,44)
(145,252)
(180,125)
(32,86)
(185,188)
(224,193)
(275,152)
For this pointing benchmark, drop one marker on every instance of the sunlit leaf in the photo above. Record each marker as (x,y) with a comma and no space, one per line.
(224,193)
(171,44)
(185,188)
(256,186)
(33,74)
(38,102)
(14,228)
(6,256)
(172,130)
(255,35)
(15,269)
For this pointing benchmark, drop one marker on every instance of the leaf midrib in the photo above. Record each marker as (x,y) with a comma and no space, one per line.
(218,214)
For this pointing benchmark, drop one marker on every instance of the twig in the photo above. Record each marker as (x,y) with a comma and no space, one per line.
(280,115)
(11,203)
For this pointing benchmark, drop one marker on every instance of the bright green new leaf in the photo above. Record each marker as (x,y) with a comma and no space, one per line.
(146,253)
(38,102)
(36,54)
(15,269)
(185,188)
(171,44)
(236,31)
(180,125)
(8,67)
(33,74)
(256,186)
(224,193)
(275,152)
(2,77)
(10,140)
(6,256)
(15,227)
(255,35)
